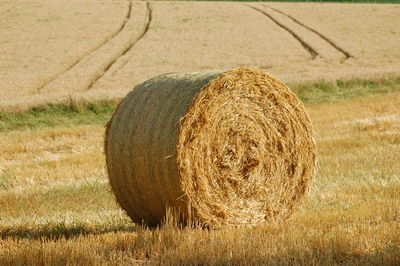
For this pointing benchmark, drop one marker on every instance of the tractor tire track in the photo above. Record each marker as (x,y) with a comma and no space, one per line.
(127,17)
(328,40)
(5,11)
(126,50)
(7,8)
(303,43)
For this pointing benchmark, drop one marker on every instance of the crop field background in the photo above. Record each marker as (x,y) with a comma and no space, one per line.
(52,50)
(65,65)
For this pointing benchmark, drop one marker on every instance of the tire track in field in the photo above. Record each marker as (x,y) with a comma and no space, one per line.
(303,43)
(328,40)
(147,28)
(126,50)
(7,8)
(5,11)
(127,17)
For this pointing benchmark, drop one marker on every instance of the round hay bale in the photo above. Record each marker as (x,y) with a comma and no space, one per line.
(232,147)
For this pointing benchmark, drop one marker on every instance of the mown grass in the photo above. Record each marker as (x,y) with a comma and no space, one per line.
(55,215)
(63,229)
(56,207)
(76,112)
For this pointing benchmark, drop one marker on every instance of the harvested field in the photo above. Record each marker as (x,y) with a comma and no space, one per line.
(104,49)
(55,201)
(56,204)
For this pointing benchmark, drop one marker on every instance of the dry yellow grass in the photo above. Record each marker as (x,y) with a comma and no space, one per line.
(56,207)
(41,40)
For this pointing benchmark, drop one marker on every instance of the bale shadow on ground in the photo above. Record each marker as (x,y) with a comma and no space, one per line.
(61,230)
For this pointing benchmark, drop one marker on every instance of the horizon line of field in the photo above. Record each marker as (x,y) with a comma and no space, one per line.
(313,1)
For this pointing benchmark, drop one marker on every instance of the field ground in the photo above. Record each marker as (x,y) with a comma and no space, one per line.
(52,50)
(56,206)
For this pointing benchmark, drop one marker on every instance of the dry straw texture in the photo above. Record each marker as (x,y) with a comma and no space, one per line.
(231,147)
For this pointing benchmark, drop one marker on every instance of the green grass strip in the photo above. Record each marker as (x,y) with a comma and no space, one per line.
(331,91)
(74,113)
(71,113)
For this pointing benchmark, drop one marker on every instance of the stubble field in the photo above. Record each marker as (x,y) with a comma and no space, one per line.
(56,206)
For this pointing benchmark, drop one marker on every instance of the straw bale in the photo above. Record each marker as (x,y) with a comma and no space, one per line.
(222,148)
